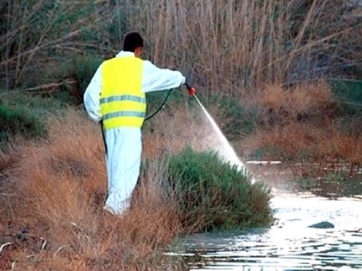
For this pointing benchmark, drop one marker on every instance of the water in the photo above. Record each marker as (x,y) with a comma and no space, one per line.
(290,244)
(225,150)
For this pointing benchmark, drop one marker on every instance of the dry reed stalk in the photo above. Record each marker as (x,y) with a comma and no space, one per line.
(230,47)
(226,43)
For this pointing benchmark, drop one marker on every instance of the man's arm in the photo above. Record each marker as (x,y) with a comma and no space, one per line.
(155,78)
(91,97)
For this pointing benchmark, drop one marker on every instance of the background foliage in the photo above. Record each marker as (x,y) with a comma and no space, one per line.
(228,47)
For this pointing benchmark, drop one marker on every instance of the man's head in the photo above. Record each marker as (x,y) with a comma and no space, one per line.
(133,42)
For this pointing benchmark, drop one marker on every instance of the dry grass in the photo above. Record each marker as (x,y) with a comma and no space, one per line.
(302,98)
(326,147)
(301,126)
(302,103)
(53,193)
(51,208)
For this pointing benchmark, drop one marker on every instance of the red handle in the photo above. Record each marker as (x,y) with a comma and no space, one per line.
(192,91)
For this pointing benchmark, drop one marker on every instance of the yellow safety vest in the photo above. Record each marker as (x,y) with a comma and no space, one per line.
(123,104)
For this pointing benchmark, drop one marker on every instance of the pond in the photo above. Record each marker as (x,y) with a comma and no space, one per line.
(290,244)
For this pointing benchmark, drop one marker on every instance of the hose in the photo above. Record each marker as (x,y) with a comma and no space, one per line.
(160,107)
(147,118)
(190,89)
(191,92)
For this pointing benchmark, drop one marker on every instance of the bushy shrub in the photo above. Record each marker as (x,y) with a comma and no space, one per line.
(24,116)
(38,104)
(213,195)
(21,121)
(349,95)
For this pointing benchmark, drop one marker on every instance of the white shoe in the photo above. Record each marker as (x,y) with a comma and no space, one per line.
(108,209)
(113,212)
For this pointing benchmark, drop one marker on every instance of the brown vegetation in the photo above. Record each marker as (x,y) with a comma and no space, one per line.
(52,191)
(51,207)
(230,47)
(303,125)
(305,102)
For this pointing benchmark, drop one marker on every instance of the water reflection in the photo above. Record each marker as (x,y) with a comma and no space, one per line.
(333,189)
(290,244)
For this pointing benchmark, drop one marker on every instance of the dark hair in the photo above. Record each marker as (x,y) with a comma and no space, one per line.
(131,41)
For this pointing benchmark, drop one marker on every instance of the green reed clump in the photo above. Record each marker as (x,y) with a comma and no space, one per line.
(213,195)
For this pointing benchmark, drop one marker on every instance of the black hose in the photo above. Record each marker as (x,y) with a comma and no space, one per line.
(103,137)
(160,107)
(146,118)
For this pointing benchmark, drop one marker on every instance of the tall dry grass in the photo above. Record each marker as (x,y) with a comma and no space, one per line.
(228,47)
(310,150)
(312,101)
(305,125)
(51,207)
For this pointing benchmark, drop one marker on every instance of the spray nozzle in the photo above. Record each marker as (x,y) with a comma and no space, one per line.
(192,91)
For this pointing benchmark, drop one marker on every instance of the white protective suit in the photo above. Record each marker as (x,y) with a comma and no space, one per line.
(124,145)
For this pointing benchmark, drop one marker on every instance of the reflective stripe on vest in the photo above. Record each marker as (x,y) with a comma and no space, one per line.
(122,102)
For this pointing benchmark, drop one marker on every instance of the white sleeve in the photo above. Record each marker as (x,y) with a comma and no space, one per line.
(92,95)
(155,78)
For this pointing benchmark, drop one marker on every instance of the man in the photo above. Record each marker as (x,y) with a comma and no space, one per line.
(116,96)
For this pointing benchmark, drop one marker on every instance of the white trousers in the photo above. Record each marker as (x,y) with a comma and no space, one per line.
(124,147)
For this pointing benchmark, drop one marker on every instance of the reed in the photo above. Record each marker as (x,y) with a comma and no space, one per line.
(231,47)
